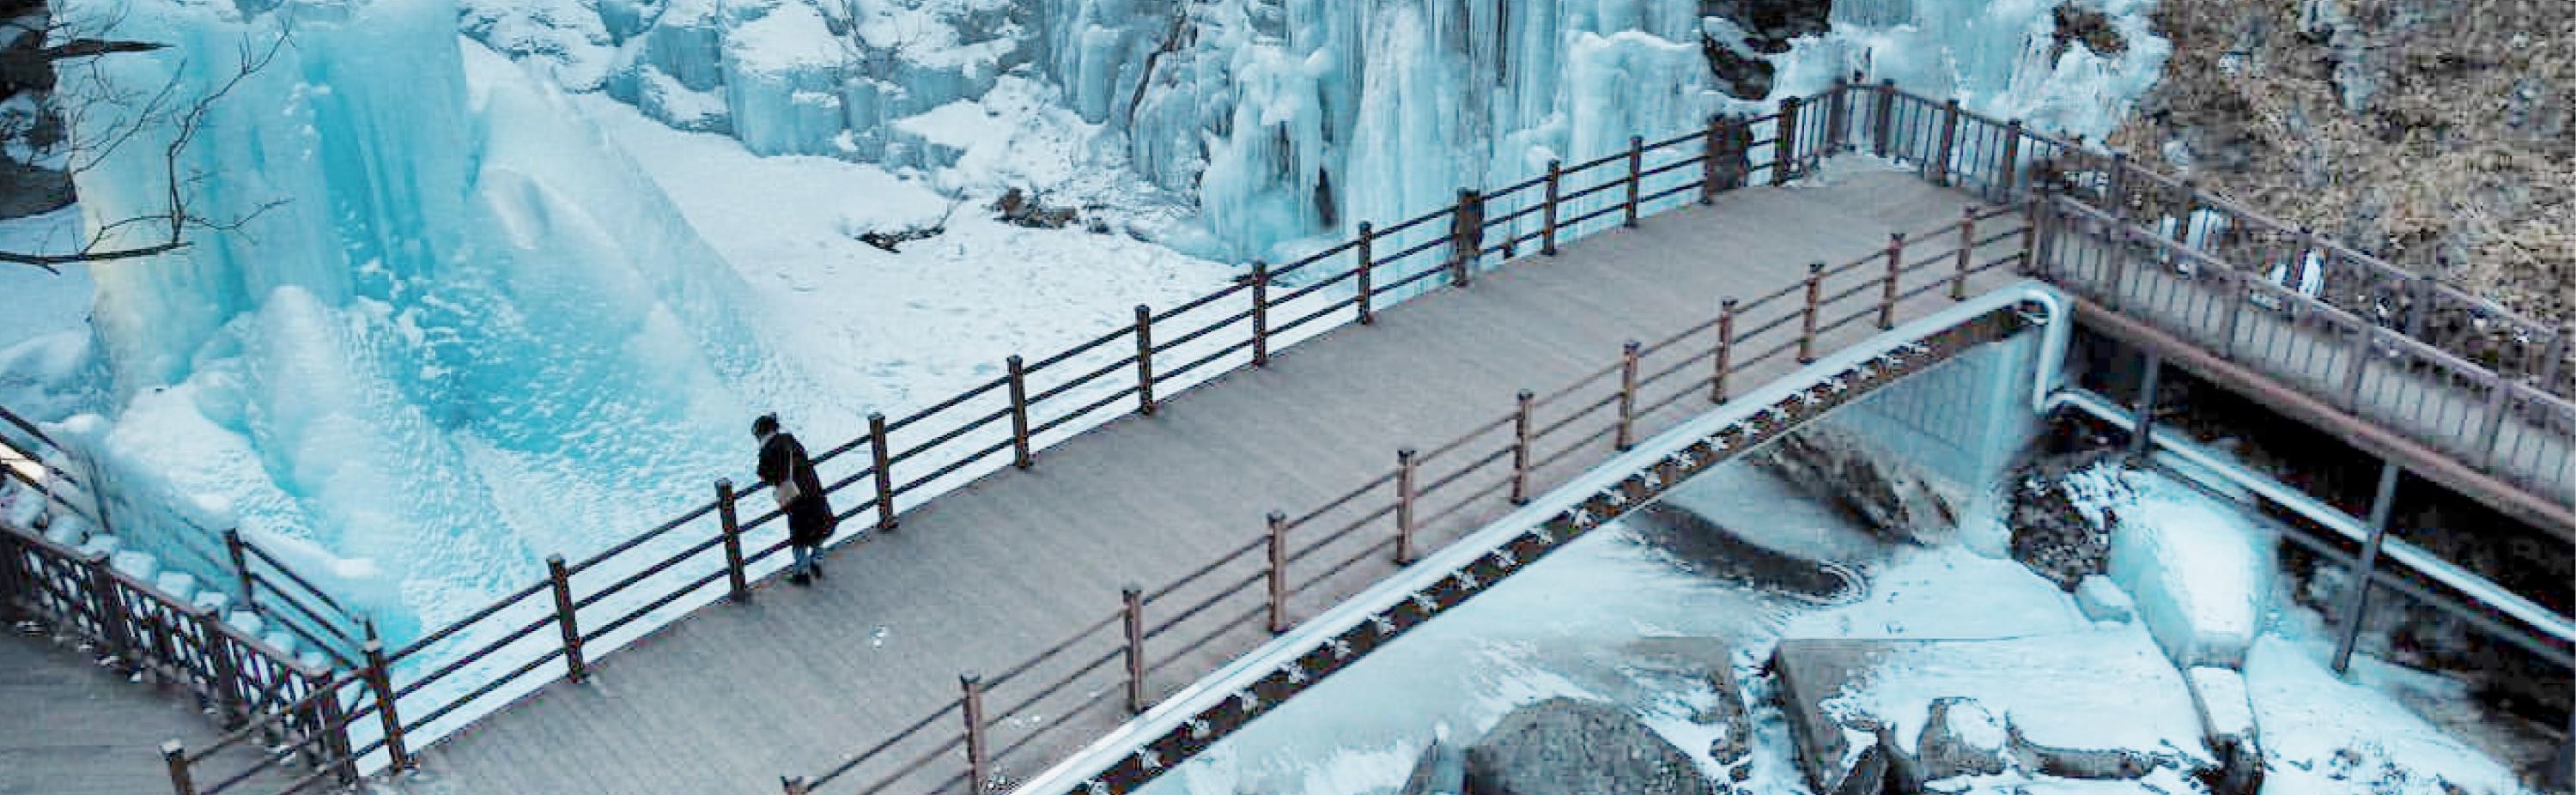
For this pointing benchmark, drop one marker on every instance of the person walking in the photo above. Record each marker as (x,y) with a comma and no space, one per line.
(791,479)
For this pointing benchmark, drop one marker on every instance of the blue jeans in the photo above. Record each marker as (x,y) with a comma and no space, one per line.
(804,563)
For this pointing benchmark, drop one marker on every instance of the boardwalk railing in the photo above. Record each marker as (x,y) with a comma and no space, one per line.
(1154,642)
(401,699)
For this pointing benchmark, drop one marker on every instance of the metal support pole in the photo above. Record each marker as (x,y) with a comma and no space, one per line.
(1278,523)
(1636,177)
(1524,403)
(979,762)
(560,576)
(882,460)
(380,679)
(1967,253)
(1368,264)
(1145,361)
(1784,143)
(2357,603)
(1627,430)
(1260,313)
(1405,469)
(1466,237)
(731,521)
(175,756)
(1807,325)
(2150,377)
(1725,351)
(1940,163)
(1547,212)
(1132,614)
(1019,378)
(1887,285)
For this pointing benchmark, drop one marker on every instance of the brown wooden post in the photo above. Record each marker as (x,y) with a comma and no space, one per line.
(2554,359)
(883,462)
(1466,237)
(175,757)
(1784,143)
(1940,162)
(1521,446)
(1260,313)
(1807,327)
(1725,351)
(107,607)
(1133,615)
(2235,302)
(380,679)
(2119,276)
(1837,117)
(1145,361)
(2117,187)
(2182,217)
(1547,212)
(1883,125)
(1967,253)
(1887,285)
(794,785)
(2352,377)
(1626,432)
(241,569)
(728,517)
(979,764)
(1636,178)
(1368,263)
(1278,524)
(1405,469)
(1019,378)
(2035,212)
(2499,398)
(228,682)
(2010,163)
(1713,157)
(561,577)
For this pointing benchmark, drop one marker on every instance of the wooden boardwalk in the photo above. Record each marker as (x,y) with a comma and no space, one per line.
(734,696)
(69,726)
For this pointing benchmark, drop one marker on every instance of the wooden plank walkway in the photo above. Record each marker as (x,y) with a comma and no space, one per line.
(734,696)
(69,726)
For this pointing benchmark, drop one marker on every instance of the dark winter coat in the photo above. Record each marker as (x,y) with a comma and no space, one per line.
(809,518)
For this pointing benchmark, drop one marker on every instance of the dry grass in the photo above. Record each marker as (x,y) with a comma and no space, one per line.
(2457,163)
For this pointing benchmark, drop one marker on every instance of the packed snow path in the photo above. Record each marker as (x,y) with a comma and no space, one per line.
(734,696)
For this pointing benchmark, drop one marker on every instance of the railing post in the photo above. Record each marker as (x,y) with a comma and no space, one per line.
(2234,280)
(2352,378)
(107,608)
(1784,143)
(561,577)
(1260,313)
(1636,177)
(1807,325)
(175,756)
(1837,117)
(2035,212)
(1523,403)
(1367,264)
(2499,398)
(228,681)
(1940,162)
(1278,524)
(1019,378)
(1132,614)
(2010,162)
(1725,351)
(241,569)
(1627,430)
(2358,605)
(1466,237)
(2119,276)
(979,765)
(2182,218)
(1405,469)
(380,679)
(1547,212)
(2554,358)
(1145,360)
(730,519)
(882,459)
(2116,187)
(1883,124)
(1967,253)
(1713,153)
(794,785)
(1887,286)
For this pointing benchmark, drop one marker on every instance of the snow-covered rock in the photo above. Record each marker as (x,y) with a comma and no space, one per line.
(2194,571)
(2102,601)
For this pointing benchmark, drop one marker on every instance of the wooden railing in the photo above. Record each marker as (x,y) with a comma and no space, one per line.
(1028,716)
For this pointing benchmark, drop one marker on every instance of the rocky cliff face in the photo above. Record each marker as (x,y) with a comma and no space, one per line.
(2430,132)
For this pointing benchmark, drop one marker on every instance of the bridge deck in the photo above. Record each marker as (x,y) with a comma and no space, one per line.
(730,698)
(69,726)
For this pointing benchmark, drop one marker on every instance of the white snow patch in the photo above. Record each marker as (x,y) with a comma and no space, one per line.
(2323,735)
